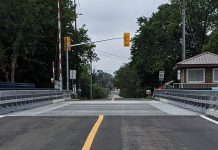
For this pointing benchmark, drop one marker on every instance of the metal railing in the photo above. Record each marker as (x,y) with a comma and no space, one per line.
(194,85)
(11,101)
(198,100)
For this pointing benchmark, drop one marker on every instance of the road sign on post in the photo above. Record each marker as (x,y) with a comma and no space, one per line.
(73,74)
(161,75)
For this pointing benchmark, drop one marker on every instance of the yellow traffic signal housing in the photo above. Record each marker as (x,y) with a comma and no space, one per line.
(67,43)
(126,38)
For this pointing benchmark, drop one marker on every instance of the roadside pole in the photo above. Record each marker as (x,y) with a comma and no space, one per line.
(59,47)
(91,79)
(53,72)
(183,30)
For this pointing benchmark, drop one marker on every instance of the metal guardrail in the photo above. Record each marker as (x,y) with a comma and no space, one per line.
(200,99)
(5,85)
(194,85)
(11,101)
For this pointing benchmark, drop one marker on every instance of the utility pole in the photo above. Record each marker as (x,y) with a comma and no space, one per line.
(53,72)
(183,30)
(76,15)
(59,47)
(91,79)
(75,39)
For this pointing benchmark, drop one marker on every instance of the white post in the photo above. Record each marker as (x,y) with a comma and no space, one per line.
(91,79)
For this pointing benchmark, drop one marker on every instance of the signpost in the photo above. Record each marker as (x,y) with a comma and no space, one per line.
(148,92)
(73,74)
(161,76)
(73,77)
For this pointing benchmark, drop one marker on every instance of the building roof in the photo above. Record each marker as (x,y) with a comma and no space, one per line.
(205,59)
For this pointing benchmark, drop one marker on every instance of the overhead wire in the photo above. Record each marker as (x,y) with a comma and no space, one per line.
(120,59)
(112,54)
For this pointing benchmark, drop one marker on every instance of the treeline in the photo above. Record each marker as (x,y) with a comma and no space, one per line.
(157,44)
(28,43)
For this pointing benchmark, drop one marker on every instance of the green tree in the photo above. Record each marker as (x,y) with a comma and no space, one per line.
(99,92)
(126,80)
(157,43)
(28,40)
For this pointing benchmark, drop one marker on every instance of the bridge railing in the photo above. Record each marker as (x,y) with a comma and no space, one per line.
(194,85)
(11,101)
(198,100)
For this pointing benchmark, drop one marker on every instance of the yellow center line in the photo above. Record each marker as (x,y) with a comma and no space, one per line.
(87,145)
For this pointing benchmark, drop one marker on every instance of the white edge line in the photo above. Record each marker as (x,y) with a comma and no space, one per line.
(2,116)
(209,119)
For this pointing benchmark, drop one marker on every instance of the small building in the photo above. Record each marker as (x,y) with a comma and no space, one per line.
(200,71)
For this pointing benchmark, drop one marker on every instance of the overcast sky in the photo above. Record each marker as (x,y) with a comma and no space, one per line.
(111,18)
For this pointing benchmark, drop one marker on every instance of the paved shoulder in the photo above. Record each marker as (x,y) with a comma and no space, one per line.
(40,110)
(171,109)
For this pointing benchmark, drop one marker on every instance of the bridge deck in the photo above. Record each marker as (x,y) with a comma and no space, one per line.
(128,124)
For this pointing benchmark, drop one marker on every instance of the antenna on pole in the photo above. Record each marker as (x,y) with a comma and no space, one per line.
(183,30)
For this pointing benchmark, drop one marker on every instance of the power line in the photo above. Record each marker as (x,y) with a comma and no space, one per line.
(111,54)
(112,57)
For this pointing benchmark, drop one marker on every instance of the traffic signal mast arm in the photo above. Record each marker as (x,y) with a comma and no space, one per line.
(98,41)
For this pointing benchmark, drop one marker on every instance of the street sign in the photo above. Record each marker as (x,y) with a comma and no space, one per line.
(161,75)
(148,92)
(178,75)
(57,84)
(73,74)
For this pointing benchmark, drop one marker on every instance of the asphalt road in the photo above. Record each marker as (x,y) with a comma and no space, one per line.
(127,125)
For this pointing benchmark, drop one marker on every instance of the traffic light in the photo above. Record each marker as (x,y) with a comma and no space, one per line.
(126,39)
(67,43)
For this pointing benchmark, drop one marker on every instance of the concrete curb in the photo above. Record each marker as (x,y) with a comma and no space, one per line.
(212,112)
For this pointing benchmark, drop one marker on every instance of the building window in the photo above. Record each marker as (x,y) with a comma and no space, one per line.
(195,75)
(215,75)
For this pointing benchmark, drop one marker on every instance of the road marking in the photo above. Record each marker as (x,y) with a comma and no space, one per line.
(87,145)
(112,99)
(209,119)
(2,116)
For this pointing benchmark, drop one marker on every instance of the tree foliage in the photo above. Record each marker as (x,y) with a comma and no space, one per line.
(157,44)
(127,81)
(28,40)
